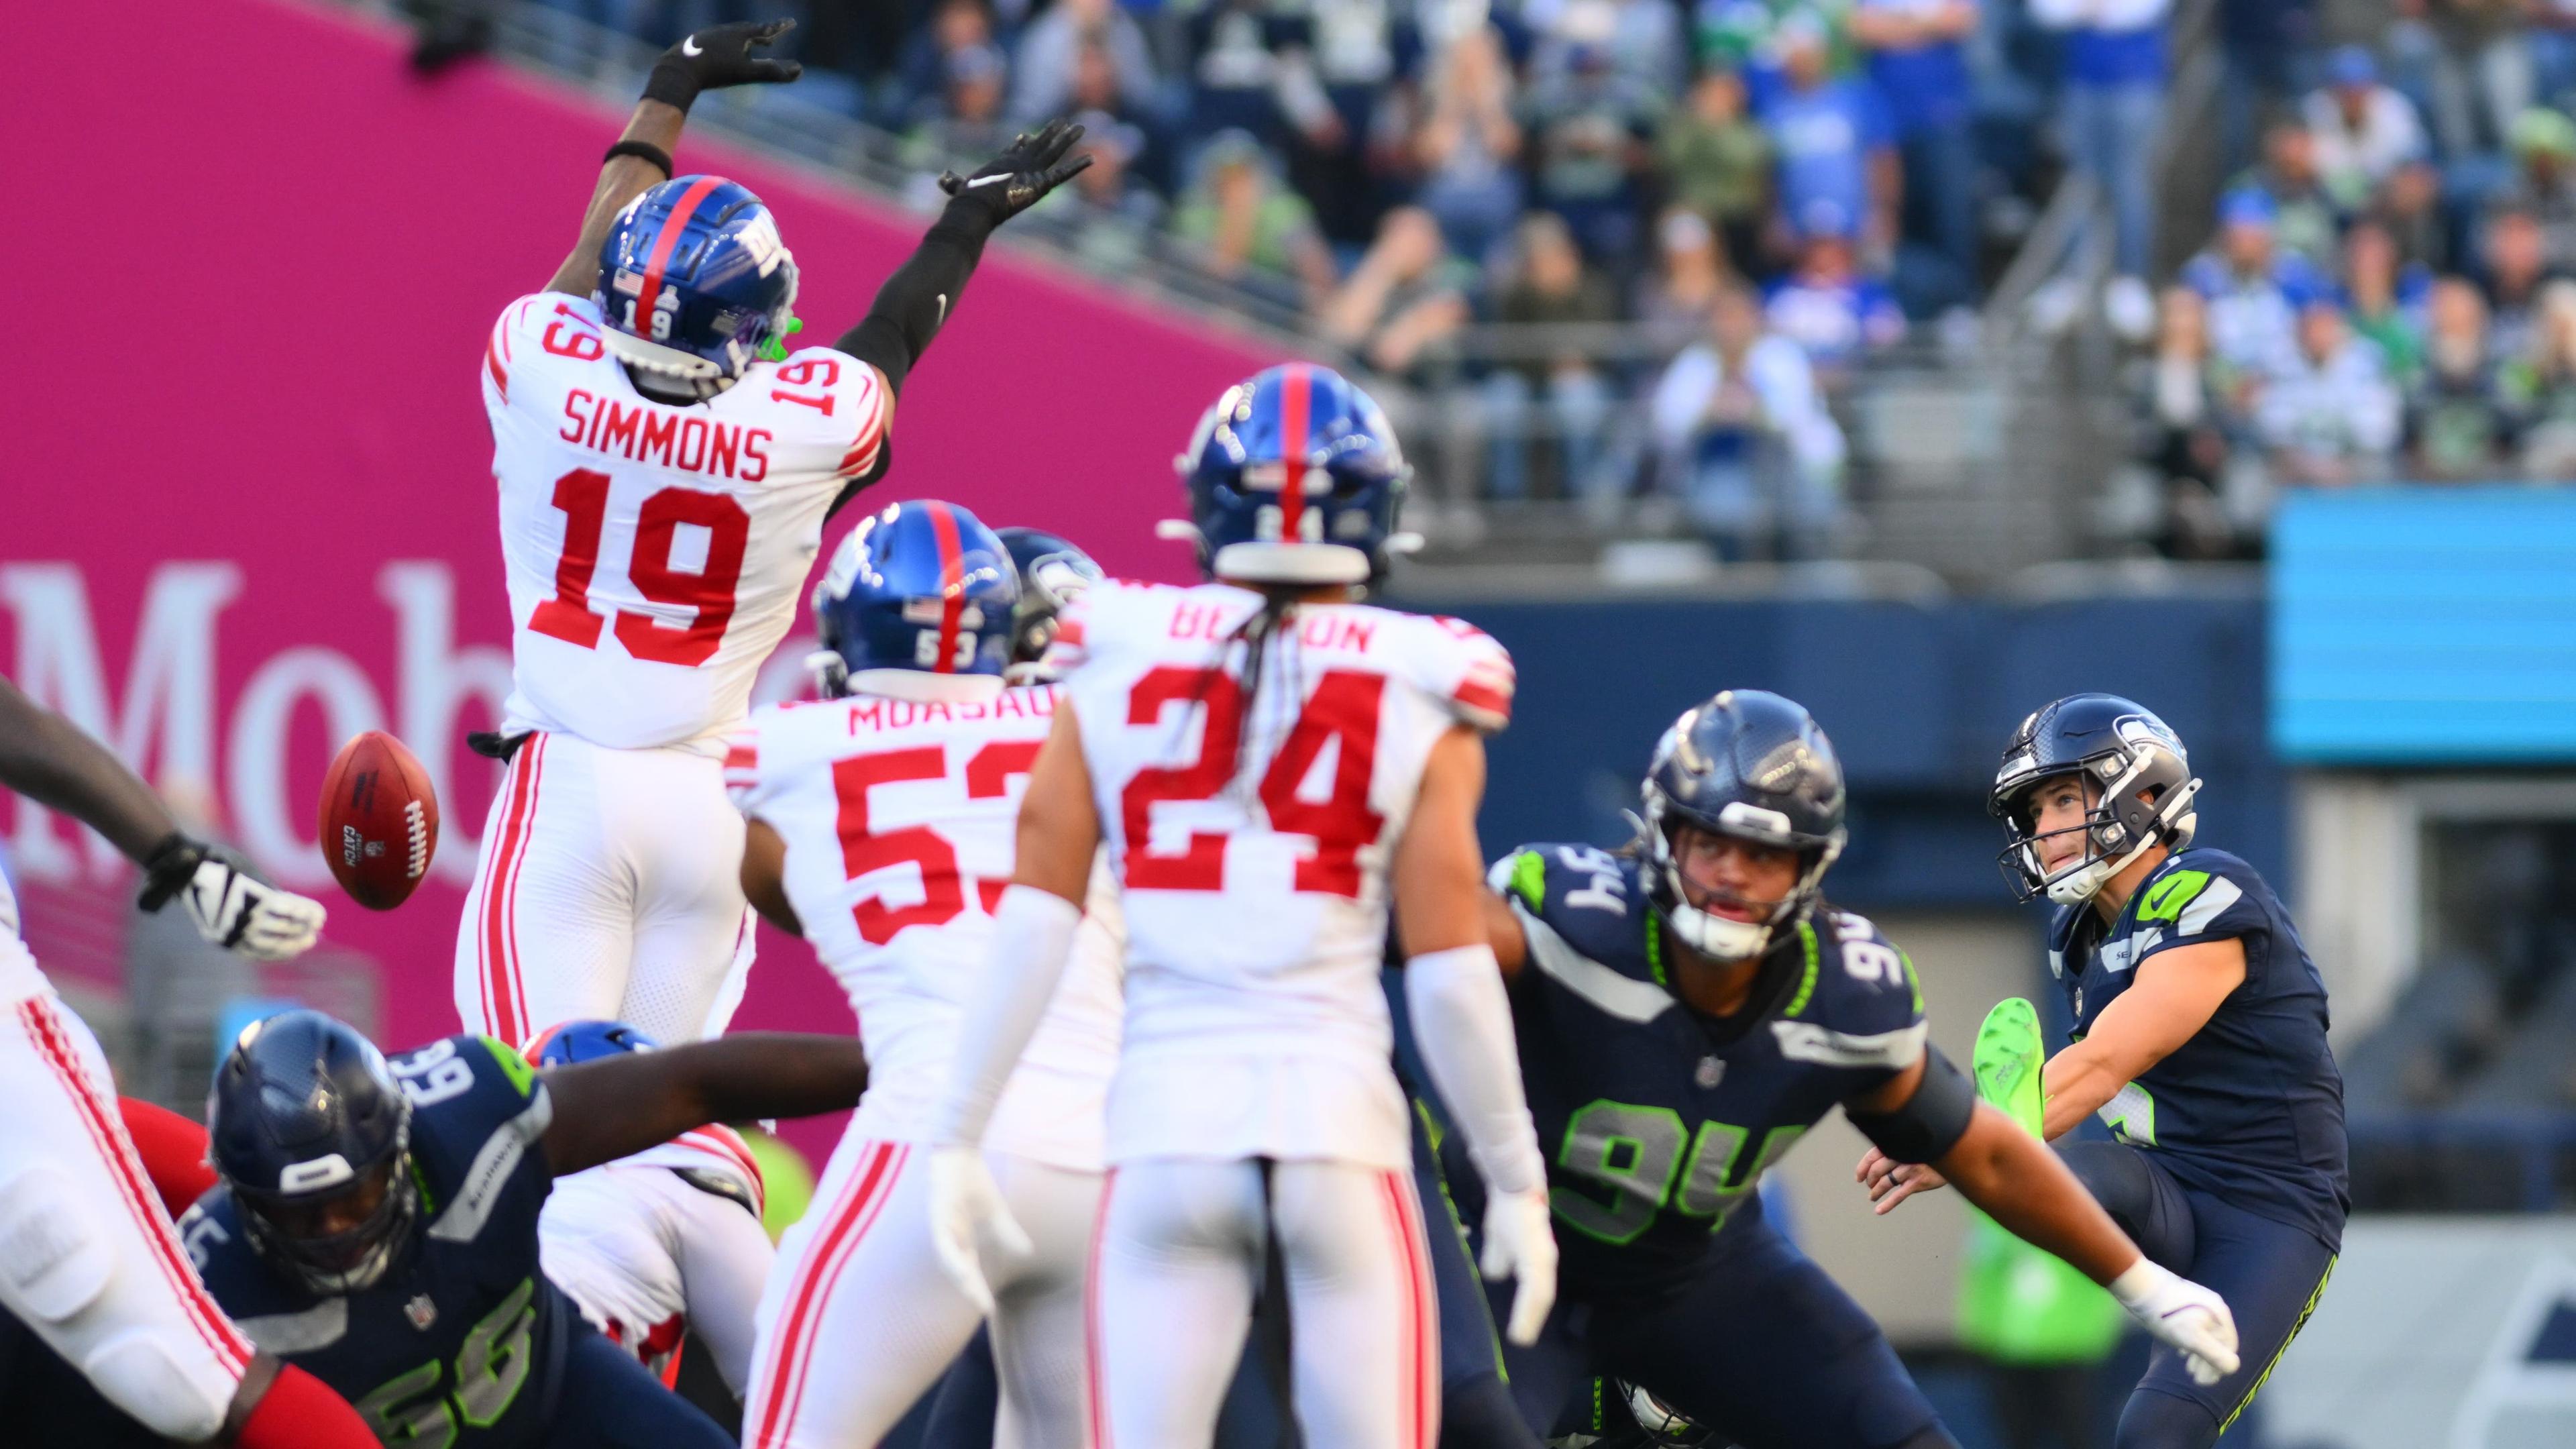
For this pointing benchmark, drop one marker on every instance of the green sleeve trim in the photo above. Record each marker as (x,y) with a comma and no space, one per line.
(513,1065)
(1807,985)
(2166,898)
(1529,878)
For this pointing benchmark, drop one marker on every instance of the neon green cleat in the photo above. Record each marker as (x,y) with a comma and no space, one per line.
(2009,1056)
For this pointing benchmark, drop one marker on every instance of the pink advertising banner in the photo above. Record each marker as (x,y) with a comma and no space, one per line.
(250,509)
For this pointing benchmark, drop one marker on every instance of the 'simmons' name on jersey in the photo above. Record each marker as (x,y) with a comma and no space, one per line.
(669,437)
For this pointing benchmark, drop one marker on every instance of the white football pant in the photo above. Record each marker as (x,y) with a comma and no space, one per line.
(609,889)
(88,1258)
(1180,1259)
(859,1320)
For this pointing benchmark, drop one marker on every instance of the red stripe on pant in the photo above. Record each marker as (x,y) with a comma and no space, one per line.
(502,1014)
(1418,1397)
(106,1133)
(1095,1378)
(853,1214)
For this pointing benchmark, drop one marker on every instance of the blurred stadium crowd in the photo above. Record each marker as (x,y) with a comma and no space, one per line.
(1642,256)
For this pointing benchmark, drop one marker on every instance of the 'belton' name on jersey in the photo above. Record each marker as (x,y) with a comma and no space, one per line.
(900,819)
(1662,1118)
(655,551)
(1251,836)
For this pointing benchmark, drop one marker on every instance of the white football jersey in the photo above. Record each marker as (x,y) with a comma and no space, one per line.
(19,977)
(1252,841)
(900,820)
(630,1240)
(655,552)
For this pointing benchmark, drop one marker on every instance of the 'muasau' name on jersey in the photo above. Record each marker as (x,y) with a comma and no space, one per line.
(1251,823)
(655,551)
(1662,1119)
(2250,1109)
(900,820)
(462,1341)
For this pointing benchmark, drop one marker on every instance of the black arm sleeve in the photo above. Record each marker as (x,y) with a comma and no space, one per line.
(1931,1122)
(916,301)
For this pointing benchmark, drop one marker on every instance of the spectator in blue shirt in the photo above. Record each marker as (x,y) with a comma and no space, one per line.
(1826,306)
(1918,59)
(1833,138)
(2254,289)
(2113,108)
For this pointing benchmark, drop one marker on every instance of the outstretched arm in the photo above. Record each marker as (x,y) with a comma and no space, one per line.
(1463,1022)
(616,1106)
(715,57)
(46,758)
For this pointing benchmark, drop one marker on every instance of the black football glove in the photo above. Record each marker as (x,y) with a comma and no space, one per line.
(1030,167)
(719,56)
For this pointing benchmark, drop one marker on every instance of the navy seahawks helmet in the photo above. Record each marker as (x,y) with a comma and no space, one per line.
(918,592)
(2141,792)
(1294,477)
(1749,764)
(565,1043)
(1053,573)
(695,283)
(305,1110)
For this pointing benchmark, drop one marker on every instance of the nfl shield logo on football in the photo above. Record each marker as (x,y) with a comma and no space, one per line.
(421,1311)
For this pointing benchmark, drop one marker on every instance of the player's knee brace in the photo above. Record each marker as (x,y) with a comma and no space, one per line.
(53,1257)
(136,1371)
(2154,1420)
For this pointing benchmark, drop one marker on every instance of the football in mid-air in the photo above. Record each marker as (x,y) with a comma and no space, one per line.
(379,821)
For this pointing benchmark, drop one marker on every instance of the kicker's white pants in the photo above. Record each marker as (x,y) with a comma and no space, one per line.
(859,1320)
(88,1257)
(609,889)
(1180,1259)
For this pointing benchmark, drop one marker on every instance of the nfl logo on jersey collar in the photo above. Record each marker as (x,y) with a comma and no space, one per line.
(421,1311)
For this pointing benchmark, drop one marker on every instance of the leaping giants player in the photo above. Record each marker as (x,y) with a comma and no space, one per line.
(665,468)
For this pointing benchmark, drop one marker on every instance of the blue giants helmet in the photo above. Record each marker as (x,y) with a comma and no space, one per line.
(565,1043)
(694,279)
(1294,477)
(917,603)
(305,1110)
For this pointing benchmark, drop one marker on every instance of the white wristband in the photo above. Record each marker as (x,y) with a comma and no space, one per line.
(2142,1281)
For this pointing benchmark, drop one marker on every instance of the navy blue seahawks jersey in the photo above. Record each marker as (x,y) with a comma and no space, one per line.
(1660,1119)
(2251,1108)
(462,1342)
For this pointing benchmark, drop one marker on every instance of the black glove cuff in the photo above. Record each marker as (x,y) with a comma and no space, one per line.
(674,82)
(642,151)
(167,870)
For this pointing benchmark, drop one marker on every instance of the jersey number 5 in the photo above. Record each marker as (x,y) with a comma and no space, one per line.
(707,594)
(943,892)
(1344,708)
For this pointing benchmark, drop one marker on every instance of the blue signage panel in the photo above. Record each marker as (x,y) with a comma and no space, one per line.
(2425,626)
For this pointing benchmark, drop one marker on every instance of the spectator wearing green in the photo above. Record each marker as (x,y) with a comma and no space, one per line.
(1718,162)
(1249,229)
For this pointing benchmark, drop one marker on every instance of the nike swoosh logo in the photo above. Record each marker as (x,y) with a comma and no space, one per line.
(943,310)
(690,47)
(986,181)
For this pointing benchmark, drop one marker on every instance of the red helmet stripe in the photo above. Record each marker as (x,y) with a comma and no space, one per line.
(663,245)
(1296,386)
(952,582)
